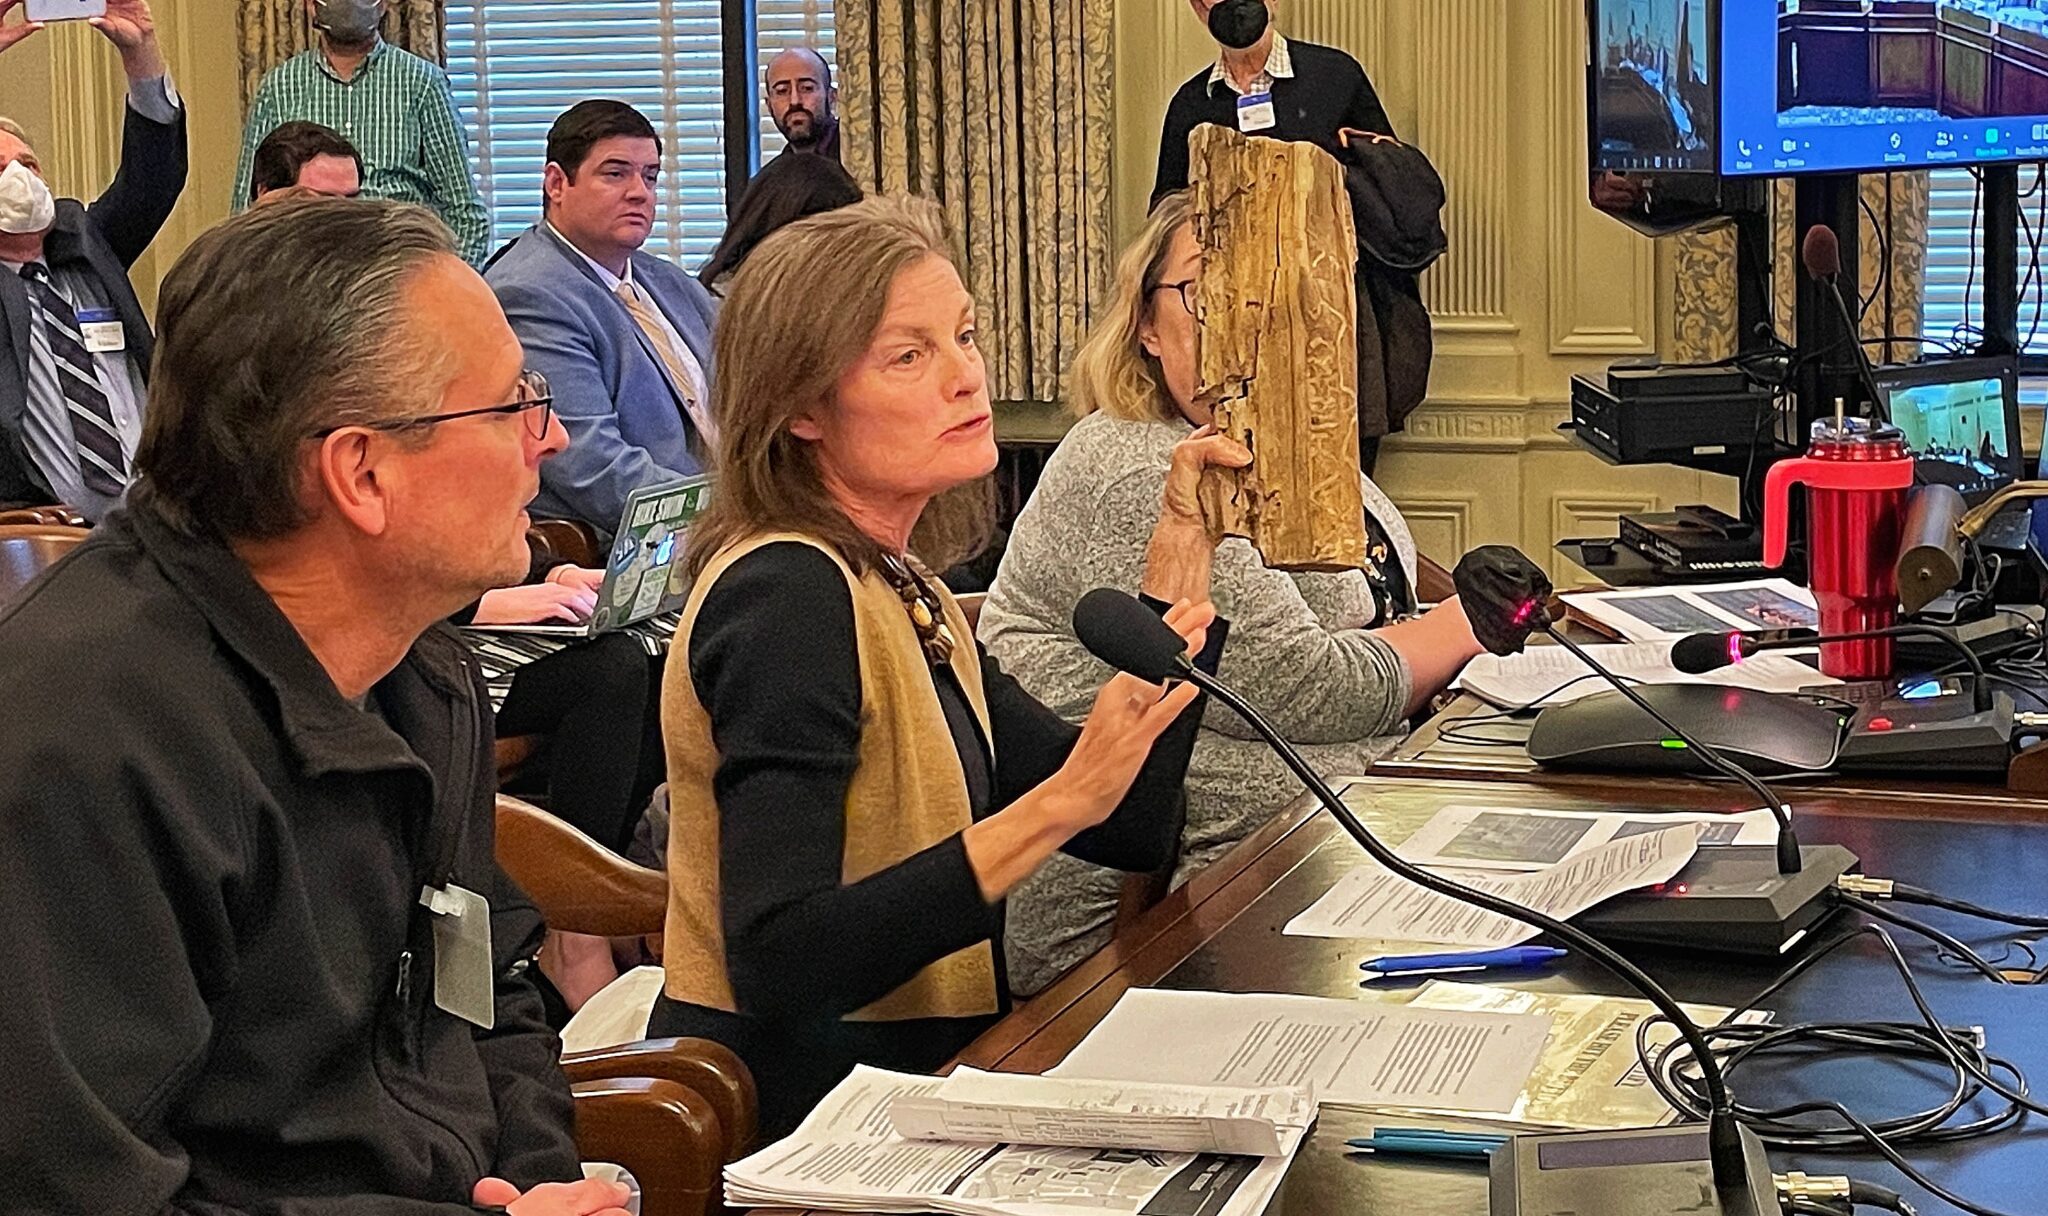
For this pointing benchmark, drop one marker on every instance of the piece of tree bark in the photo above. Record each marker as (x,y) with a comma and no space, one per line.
(1276,347)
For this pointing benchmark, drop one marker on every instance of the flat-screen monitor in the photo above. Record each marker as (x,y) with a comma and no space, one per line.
(1833,86)
(1652,86)
(1962,422)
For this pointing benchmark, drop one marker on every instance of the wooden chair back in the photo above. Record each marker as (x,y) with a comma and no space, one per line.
(1432,582)
(566,540)
(579,885)
(26,550)
(970,607)
(58,516)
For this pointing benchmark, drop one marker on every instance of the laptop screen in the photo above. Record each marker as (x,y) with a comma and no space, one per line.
(643,577)
(1961,419)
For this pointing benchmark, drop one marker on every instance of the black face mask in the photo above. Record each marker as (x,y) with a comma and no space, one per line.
(1238,24)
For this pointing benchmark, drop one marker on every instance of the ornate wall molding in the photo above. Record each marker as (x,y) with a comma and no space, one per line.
(1603,278)
(1461,73)
(1440,524)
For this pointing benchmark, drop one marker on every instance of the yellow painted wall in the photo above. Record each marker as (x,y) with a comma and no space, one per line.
(1536,285)
(65,85)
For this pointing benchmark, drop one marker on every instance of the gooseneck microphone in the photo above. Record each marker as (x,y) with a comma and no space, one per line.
(1821,254)
(1703,652)
(1130,637)
(1504,593)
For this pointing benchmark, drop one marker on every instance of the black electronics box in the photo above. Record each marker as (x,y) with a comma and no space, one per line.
(1693,538)
(1667,416)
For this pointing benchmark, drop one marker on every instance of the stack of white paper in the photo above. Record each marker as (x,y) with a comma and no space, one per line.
(987,1107)
(847,1156)
(1552,675)
(1374,902)
(1353,1053)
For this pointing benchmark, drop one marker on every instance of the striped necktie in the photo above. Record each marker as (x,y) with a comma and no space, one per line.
(100,463)
(687,386)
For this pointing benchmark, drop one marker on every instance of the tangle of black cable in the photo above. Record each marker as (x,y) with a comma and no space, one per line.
(1975,1074)
(1455,729)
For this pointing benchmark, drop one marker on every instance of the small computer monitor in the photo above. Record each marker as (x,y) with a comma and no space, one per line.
(1961,418)
(1840,86)
(1652,92)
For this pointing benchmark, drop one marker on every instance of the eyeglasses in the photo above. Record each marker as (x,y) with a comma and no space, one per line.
(1185,290)
(536,402)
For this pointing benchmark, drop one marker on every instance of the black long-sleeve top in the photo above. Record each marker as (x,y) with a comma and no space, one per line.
(775,664)
(1328,92)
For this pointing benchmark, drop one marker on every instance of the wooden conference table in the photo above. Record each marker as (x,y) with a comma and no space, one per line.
(1221,932)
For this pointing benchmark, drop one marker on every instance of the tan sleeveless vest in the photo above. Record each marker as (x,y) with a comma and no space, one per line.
(908,793)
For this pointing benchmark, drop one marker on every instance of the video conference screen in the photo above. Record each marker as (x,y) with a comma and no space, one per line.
(1654,98)
(1958,434)
(1838,85)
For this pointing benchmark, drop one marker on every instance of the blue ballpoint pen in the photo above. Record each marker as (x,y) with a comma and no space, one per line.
(1514,956)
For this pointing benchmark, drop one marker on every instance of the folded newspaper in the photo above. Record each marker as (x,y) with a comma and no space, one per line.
(848,1156)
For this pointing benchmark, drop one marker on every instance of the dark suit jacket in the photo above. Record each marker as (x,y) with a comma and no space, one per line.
(104,240)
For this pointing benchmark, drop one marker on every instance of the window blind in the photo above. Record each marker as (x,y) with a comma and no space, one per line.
(1955,262)
(517,64)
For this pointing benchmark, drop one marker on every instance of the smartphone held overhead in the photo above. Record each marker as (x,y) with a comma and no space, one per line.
(64,10)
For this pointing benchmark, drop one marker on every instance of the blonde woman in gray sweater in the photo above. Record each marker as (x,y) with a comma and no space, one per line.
(1340,661)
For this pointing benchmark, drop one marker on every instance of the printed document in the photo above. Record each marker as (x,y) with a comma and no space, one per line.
(1665,614)
(1589,1078)
(1374,902)
(1551,675)
(1006,1108)
(1506,838)
(1353,1053)
(846,1156)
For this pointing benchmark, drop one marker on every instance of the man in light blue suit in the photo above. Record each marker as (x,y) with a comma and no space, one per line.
(623,337)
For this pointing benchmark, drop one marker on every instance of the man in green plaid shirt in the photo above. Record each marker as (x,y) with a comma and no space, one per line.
(394,106)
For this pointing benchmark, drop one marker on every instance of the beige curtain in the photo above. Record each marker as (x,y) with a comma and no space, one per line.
(1894,204)
(1001,113)
(272,31)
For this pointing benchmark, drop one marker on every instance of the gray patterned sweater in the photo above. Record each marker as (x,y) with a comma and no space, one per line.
(1298,649)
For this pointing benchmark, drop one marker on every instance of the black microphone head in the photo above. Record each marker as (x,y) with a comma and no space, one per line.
(1504,596)
(1821,252)
(1705,652)
(1128,636)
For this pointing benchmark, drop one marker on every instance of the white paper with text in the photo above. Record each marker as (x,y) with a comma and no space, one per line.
(1353,1053)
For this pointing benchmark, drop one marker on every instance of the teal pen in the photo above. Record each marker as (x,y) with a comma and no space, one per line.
(1467,1146)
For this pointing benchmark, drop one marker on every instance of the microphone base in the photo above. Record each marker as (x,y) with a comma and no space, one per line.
(1661,1171)
(1938,734)
(1730,899)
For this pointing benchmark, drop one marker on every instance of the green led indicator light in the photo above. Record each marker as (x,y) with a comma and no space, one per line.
(1676,745)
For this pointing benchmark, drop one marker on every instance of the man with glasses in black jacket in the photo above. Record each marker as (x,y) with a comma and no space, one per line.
(269,962)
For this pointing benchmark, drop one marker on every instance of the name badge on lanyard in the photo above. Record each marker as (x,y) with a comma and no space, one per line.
(101,329)
(1255,112)
(464,980)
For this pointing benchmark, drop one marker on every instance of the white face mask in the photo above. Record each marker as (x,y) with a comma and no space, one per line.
(26,205)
